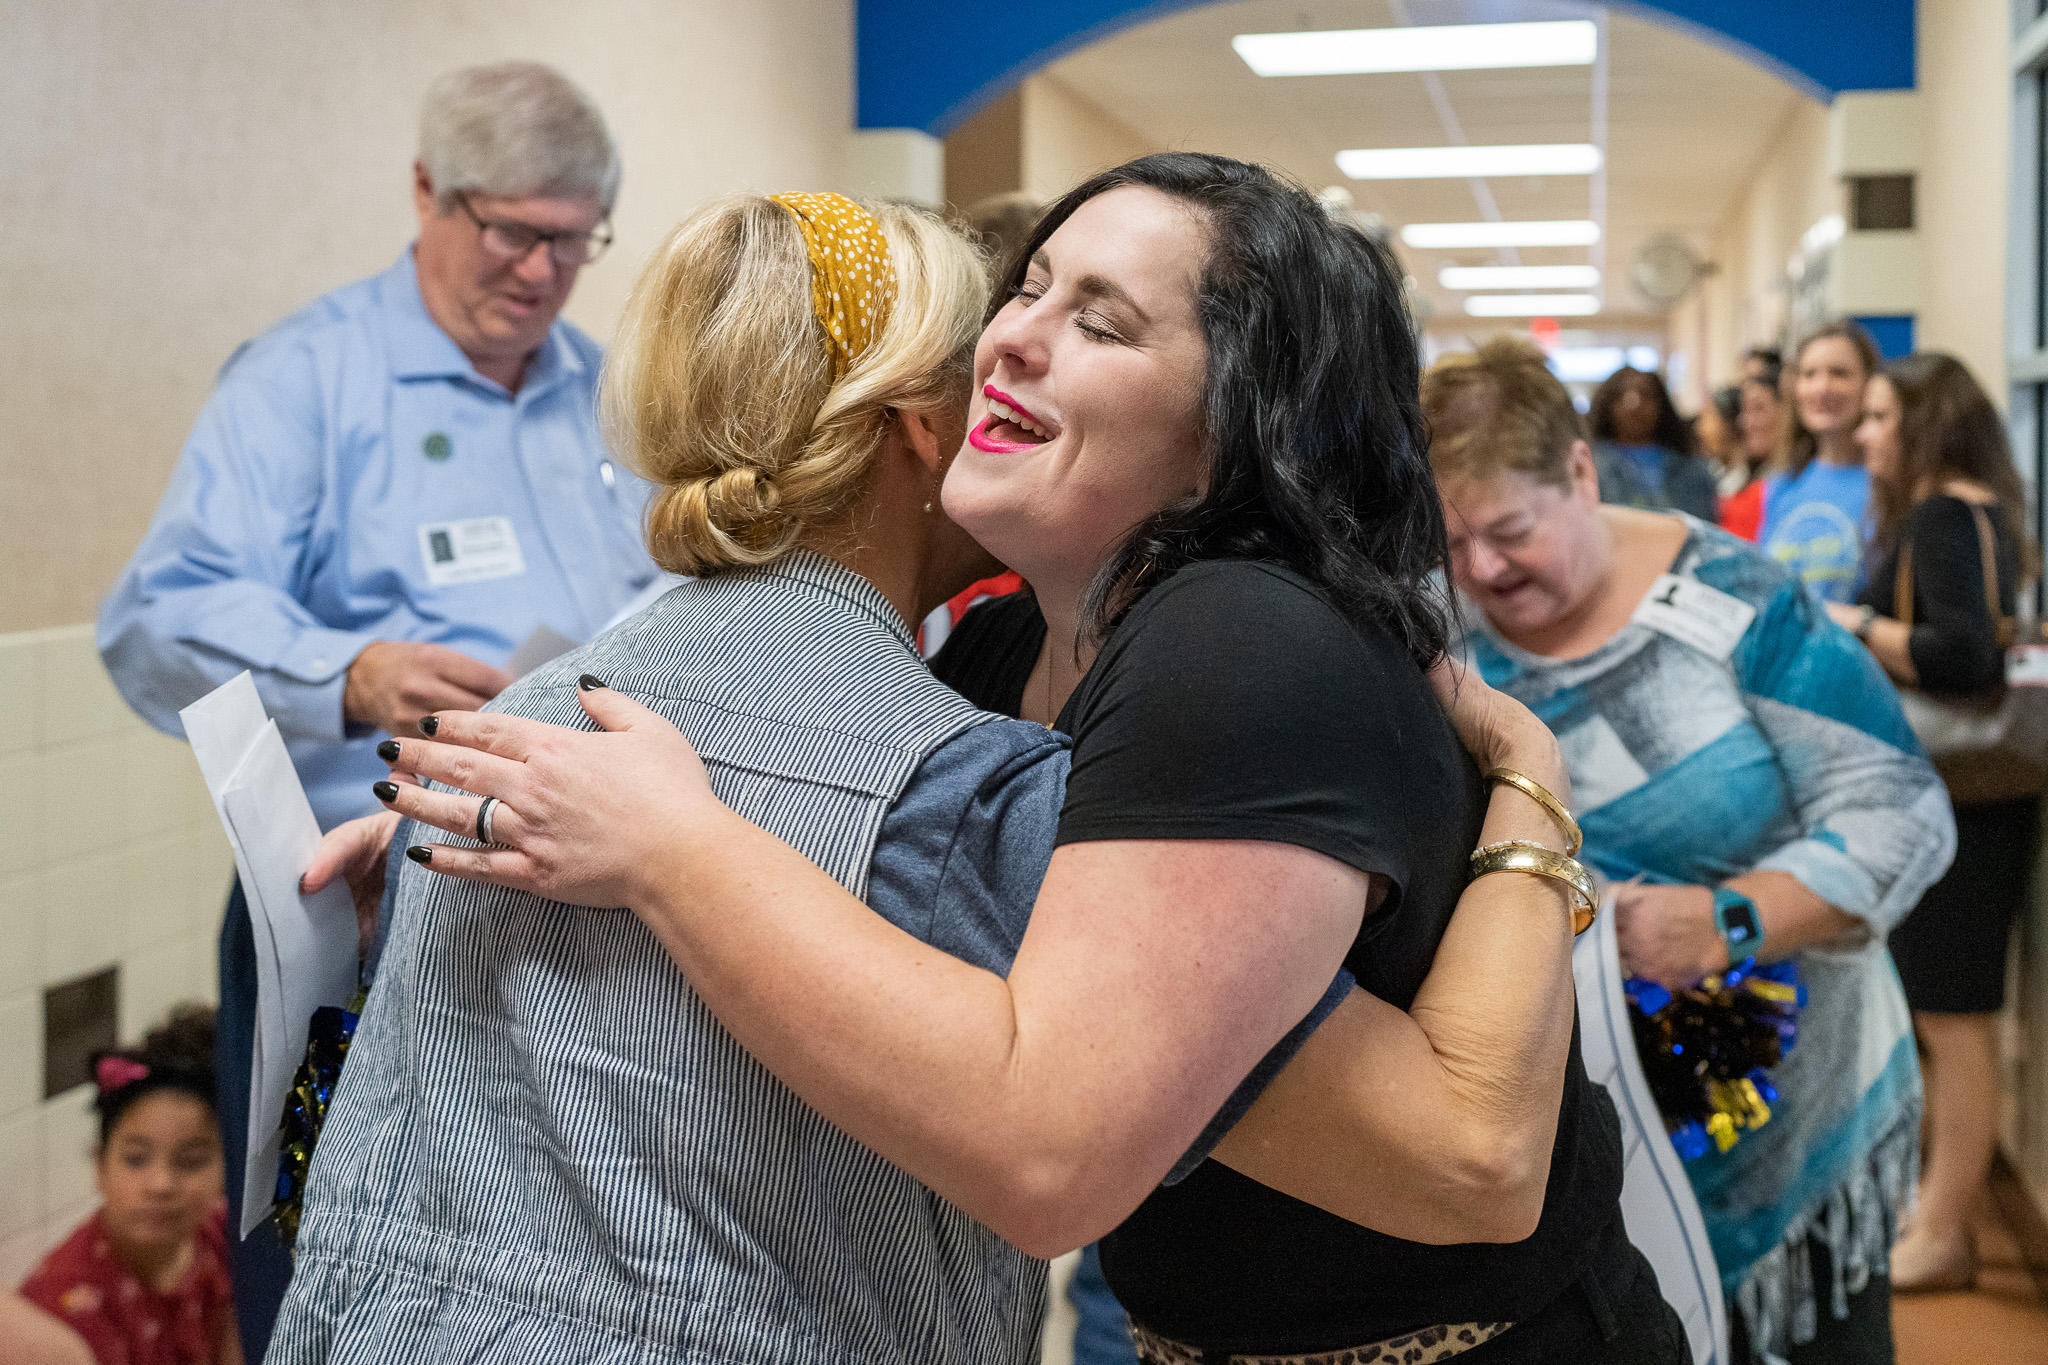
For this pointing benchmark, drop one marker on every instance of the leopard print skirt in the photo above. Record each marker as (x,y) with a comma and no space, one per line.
(1423,1347)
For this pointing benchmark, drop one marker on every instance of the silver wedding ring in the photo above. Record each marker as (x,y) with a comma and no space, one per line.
(483,821)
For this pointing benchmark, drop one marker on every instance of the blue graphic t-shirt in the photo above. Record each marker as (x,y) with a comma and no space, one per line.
(1815,524)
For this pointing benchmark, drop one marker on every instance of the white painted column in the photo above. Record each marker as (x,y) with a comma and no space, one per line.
(897,163)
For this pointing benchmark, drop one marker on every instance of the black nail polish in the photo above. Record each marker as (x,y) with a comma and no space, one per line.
(590,682)
(420,853)
(387,792)
(429,724)
(388,751)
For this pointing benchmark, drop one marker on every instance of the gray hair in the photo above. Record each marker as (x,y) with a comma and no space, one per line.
(518,129)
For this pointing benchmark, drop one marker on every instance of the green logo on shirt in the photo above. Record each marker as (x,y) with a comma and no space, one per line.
(437,446)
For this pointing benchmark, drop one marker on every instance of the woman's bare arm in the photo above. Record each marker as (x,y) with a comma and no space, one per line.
(1436,1124)
(1048,1105)
(1889,641)
(1667,933)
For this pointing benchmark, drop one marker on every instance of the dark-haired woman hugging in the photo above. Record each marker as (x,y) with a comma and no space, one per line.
(144,1281)
(1196,435)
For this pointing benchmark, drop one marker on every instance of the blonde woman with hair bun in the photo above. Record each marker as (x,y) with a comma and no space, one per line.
(540,1120)
(717,392)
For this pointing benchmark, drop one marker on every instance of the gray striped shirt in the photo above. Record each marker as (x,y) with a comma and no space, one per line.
(545,1147)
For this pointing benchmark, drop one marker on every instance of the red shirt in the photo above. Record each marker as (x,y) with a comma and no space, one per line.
(1002,585)
(1743,513)
(126,1322)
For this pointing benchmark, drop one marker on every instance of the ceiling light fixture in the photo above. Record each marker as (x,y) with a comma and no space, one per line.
(1461,163)
(1532,305)
(1447,47)
(1452,236)
(1518,277)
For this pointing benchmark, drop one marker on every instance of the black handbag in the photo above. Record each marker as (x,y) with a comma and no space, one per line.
(1993,746)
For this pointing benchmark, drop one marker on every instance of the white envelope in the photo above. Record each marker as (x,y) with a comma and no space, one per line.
(305,945)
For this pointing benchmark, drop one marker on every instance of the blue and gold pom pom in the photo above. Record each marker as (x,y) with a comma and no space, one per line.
(1707,1050)
(305,1110)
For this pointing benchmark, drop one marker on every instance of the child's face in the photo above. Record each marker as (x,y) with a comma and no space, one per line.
(160,1172)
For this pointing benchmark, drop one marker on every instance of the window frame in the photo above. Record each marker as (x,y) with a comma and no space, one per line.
(2027,260)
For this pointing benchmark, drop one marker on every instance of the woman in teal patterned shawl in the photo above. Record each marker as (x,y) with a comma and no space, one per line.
(1740,767)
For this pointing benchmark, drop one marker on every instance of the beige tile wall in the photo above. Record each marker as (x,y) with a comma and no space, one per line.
(217,164)
(109,854)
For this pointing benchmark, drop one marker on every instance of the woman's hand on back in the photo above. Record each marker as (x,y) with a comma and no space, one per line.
(581,817)
(1497,730)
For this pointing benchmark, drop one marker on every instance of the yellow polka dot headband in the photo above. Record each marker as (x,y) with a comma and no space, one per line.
(853,281)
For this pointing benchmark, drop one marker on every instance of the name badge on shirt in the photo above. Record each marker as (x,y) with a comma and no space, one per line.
(1692,613)
(470,551)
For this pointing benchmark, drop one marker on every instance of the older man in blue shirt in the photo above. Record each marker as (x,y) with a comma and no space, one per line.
(389,492)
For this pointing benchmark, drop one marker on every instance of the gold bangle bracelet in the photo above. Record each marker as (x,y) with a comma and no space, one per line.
(1573,840)
(1519,855)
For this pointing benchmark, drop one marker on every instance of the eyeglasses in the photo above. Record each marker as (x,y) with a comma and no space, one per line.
(511,241)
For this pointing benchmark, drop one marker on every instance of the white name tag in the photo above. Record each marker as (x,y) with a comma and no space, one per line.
(470,551)
(2027,666)
(1689,611)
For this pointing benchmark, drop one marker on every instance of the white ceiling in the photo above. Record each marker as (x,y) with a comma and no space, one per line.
(1687,124)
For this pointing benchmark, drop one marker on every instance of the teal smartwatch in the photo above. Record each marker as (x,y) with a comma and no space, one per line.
(1738,923)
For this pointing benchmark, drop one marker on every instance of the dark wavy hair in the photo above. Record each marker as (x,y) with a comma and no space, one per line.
(1948,429)
(1311,422)
(177,1055)
(1672,431)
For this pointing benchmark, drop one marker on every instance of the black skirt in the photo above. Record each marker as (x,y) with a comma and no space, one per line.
(1951,948)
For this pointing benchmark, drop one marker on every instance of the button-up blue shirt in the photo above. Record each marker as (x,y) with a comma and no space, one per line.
(354,479)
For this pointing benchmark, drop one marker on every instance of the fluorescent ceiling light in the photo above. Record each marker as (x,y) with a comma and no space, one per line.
(1439,163)
(1449,47)
(1518,277)
(1585,364)
(1451,236)
(1591,364)
(1532,305)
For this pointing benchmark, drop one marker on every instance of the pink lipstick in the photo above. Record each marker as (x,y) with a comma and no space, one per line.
(981,440)
(1007,412)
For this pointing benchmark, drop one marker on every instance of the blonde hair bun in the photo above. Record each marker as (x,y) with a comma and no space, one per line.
(720,391)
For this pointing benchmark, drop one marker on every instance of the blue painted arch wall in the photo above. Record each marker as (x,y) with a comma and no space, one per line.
(930,64)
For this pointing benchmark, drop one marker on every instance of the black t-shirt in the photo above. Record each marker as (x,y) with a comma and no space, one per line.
(1235,701)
